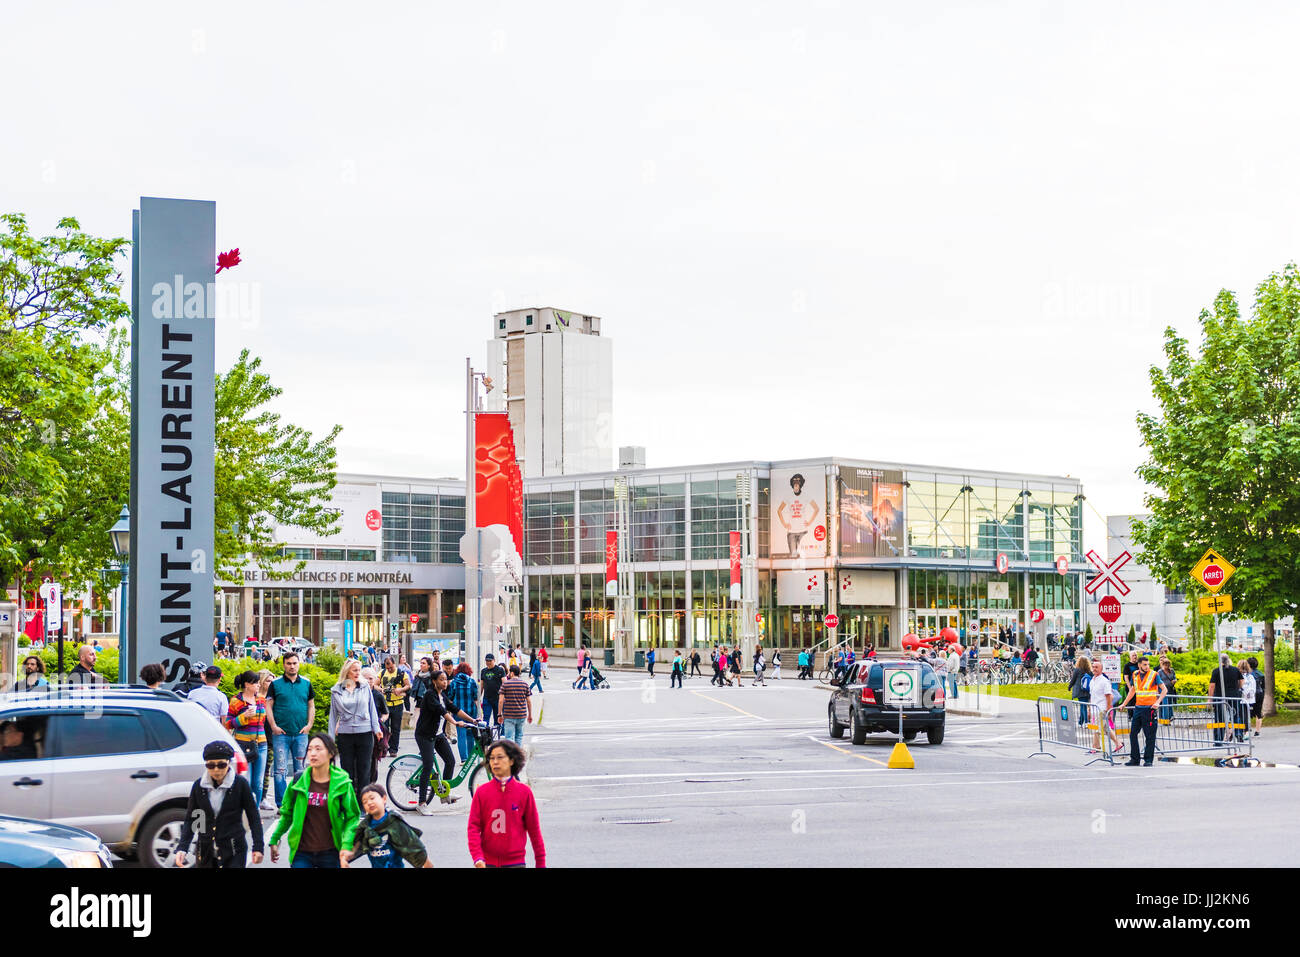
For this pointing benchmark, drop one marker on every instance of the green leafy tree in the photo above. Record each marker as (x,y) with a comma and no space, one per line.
(62,412)
(1224,455)
(65,419)
(268,473)
(1132,635)
(1153,640)
(1200,629)
(1087,634)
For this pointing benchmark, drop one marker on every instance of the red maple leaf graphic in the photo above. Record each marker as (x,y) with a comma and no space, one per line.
(227,260)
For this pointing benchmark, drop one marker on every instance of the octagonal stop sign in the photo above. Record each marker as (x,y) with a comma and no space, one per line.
(1109,609)
(1212,576)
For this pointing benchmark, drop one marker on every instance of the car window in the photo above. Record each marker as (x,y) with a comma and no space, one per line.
(84,734)
(166,733)
(22,737)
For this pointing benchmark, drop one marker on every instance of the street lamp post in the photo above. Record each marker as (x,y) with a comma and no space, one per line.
(120,534)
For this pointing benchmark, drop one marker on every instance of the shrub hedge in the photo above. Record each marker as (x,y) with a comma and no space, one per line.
(322,676)
(322,681)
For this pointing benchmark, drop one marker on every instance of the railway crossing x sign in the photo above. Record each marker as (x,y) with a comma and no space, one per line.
(1108,572)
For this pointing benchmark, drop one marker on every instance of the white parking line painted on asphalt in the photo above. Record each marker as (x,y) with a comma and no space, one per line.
(1107,779)
(785,771)
(606,724)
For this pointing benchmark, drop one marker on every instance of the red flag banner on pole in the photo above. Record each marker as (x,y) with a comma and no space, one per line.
(611,563)
(735,566)
(498,484)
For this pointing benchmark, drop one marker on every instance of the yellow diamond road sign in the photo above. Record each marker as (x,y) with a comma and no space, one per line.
(1216,605)
(1213,570)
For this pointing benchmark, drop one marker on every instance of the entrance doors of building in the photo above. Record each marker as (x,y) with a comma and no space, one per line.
(994,623)
(230,612)
(930,623)
(714,626)
(865,626)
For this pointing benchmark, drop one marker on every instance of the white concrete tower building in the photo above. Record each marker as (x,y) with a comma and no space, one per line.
(554,374)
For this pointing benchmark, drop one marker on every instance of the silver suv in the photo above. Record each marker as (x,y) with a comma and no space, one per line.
(116,761)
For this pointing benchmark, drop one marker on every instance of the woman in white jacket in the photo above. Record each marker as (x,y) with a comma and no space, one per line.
(354,723)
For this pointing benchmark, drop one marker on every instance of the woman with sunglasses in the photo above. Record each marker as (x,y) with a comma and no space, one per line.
(320,812)
(220,802)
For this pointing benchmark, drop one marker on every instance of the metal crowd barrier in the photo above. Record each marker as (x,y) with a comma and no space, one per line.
(1191,725)
(1066,723)
(1185,725)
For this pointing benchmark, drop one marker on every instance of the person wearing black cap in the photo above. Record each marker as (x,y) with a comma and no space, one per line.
(209,697)
(490,684)
(212,823)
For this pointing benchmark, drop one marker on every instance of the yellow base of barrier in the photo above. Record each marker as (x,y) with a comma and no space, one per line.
(901,757)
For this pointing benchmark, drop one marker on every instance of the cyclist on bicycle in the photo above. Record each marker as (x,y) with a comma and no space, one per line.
(436,710)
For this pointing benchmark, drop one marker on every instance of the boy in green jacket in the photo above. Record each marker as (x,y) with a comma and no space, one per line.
(385,836)
(320,812)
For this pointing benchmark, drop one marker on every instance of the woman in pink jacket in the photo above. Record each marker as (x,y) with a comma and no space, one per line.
(503,814)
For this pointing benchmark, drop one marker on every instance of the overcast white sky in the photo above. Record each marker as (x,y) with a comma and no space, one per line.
(933,233)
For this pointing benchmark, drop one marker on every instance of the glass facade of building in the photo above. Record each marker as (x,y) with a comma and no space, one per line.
(421,527)
(928,541)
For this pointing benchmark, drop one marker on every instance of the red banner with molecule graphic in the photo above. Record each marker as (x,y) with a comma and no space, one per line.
(611,563)
(735,566)
(498,484)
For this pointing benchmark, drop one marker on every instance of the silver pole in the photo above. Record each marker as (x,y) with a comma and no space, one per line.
(473,583)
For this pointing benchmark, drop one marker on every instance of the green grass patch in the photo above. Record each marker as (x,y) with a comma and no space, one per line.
(1283,717)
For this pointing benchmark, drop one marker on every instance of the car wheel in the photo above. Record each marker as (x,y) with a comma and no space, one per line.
(909,735)
(837,729)
(160,838)
(934,735)
(859,732)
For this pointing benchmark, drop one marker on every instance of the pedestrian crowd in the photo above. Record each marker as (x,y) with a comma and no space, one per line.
(330,807)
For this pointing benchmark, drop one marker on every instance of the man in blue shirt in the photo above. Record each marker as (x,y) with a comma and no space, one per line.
(463,692)
(290,715)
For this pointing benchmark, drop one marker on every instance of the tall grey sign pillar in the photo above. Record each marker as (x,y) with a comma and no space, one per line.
(173,275)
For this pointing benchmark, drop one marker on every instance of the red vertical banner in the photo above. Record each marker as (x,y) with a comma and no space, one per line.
(498,485)
(611,563)
(735,566)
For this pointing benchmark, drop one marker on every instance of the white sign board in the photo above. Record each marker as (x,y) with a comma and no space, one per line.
(360,510)
(333,629)
(901,687)
(8,644)
(801,588)
(999,591)
(53,595)
(859,587)
(1110,667)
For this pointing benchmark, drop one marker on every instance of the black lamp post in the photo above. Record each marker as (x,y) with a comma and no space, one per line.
(121,536)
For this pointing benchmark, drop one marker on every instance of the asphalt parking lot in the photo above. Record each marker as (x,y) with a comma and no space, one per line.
(645,775)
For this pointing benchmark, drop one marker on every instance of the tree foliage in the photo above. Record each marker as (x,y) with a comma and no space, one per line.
(65,421)
(268,473)
(64,428)
(1224,454)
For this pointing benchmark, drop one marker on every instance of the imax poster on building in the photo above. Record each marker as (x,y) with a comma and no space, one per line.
(871,513)
(798,513)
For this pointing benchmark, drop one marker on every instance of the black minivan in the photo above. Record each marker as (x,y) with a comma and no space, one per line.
(857,702)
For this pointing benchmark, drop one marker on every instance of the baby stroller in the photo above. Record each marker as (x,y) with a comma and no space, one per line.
(597,679)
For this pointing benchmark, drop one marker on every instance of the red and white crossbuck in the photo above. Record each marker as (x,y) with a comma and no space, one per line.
(1108,572)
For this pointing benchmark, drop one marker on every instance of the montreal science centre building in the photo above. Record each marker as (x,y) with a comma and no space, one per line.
(886,548)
